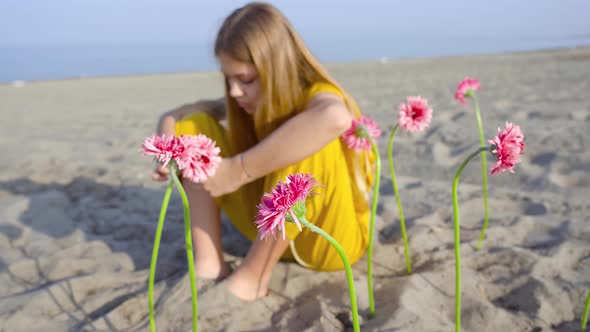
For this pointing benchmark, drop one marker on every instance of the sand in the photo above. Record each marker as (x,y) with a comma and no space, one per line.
(78,209)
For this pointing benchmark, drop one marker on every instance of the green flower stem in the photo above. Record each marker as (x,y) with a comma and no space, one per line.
(155,255)
(372,229)
(189,245)
(484,173)
(336,245)
(458,239)
(398,200)
(585,316)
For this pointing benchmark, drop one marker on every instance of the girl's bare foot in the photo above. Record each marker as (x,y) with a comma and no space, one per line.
(247,286)
(213,270)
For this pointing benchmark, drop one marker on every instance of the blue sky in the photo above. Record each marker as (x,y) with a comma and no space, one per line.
(47,39)
(26,22)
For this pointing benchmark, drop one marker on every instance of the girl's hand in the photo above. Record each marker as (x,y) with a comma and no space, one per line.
(166,126)
(161,173)
(228,178)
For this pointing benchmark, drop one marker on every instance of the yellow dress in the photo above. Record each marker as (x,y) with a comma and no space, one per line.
(339,208)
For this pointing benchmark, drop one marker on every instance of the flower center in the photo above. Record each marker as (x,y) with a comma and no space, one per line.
(361,131)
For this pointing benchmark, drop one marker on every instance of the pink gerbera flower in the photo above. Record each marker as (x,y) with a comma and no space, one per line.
(509,145)
(201,158)
(196,156)
(164,148)
(465,88)
(285,202)
(301,186)
(415,114)
(359,135)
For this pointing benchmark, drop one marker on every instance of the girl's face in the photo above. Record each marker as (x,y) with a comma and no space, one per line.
(243,81)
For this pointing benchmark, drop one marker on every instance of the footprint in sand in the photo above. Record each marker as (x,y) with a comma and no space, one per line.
(537,296)
(547,165)
(544,159)
(11,231)
(548,290)
(534,209)
(536,165)
(580,115)
(562,180)
(522,298)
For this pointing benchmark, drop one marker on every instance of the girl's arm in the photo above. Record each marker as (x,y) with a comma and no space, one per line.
(325,119)
(251,279)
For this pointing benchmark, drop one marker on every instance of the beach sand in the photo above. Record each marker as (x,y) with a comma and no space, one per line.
(78,209)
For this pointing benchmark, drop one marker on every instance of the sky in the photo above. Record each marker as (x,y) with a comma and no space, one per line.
(48,39)
(74,22)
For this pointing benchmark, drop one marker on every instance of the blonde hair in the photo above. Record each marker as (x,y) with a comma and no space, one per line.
(259,34)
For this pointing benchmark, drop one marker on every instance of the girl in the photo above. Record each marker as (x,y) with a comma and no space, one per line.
(285,115)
